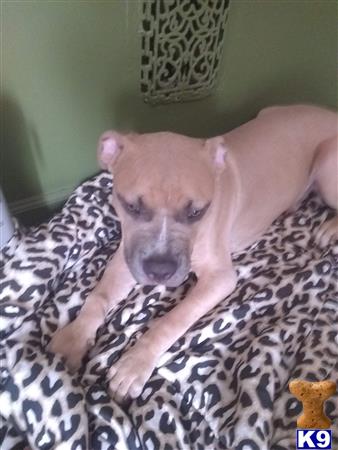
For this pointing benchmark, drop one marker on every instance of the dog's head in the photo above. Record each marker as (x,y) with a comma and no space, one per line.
(163,189)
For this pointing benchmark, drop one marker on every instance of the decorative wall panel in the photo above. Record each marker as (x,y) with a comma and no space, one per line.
(181,48)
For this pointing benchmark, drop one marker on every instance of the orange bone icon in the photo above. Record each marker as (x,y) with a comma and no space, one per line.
(313,395)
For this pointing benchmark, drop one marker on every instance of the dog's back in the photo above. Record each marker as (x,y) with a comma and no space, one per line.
(313,122)
(276,154)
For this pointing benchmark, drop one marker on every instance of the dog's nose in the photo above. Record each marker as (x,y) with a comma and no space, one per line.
(159,268)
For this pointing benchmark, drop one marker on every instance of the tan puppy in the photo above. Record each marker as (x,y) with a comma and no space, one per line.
(185,205)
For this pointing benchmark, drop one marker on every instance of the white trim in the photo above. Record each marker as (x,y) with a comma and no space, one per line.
(48,199)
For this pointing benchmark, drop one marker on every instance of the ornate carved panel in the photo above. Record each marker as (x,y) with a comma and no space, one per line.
(181,48)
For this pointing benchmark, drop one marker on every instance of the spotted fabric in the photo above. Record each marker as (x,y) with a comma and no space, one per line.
(223,385)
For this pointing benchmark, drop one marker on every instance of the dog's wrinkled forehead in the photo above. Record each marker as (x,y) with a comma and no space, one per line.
(166,169)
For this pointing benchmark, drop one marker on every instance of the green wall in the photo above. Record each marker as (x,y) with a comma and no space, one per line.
(70,70)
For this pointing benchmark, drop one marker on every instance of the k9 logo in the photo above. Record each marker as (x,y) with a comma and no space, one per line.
(314,439)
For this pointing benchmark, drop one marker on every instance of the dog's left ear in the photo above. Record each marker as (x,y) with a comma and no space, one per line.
(217,151)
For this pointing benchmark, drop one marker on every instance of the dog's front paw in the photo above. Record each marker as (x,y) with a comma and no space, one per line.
(131,372)
(72,343)
(328,232)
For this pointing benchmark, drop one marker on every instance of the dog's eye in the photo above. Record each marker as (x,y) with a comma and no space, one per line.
(190,213)
(194,213)
(137,209)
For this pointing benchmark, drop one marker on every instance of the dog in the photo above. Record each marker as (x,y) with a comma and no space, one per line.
(187,204)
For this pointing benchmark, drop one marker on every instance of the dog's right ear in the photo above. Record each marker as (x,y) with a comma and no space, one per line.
(217,151)
(109,148)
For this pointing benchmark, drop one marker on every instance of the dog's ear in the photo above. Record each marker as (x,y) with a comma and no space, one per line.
(109,148)
(217,151)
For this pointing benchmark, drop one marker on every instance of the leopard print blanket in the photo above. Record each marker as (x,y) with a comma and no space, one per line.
(223,385)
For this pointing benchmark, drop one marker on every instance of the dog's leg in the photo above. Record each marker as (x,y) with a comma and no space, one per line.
(326,178)
(129,375)
(76,338)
